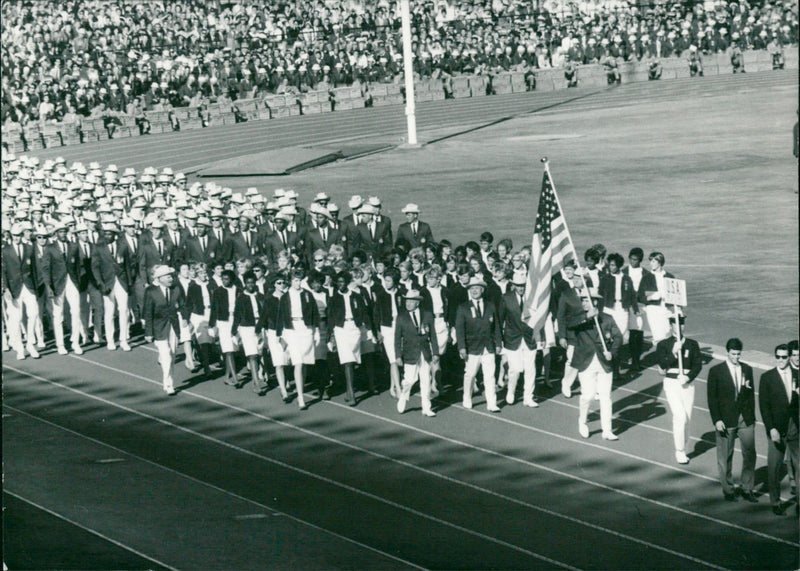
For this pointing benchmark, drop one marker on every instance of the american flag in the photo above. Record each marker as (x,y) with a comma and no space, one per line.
(551,248)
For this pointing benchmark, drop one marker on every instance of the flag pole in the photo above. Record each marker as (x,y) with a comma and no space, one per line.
(584,289)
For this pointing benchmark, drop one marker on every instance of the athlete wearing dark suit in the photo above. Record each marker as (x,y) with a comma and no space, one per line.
(777,399)
(415,345)
(731,403)
(413,235)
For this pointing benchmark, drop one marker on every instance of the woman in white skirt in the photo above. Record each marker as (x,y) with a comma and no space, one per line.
(223,304)
(185,279)
(277,349)
(247,323)
(657,312)
(387,306)
(298,325)
(198,301)
(347,313)
(321,374)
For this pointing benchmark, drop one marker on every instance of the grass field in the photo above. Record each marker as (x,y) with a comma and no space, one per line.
(102,471)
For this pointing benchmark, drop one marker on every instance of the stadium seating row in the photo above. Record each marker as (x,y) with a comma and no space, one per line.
(35,136)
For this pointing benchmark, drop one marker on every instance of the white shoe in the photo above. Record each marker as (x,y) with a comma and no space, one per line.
(681,457)
(492,409)
(111,347)
(583,430)
(428,413)
(467,404)
(510,398)
(531,403)
(610,436)
(124,346)
(20,355)
(77,350)
(41,345)
(567,392)
(63,351)
(401,404)
(33,352)
(96,338)
(170,391)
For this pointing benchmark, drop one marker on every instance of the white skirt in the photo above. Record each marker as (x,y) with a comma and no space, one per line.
(442,333)
(348,343)
(300,343)
(388,342)
(250,340)
(200,327)
(658,320)
(621,318)
(227,343)
(280,358)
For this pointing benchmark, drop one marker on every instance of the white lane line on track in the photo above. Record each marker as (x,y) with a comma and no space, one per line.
(413,467)
(218,489)
(474,447)
(307,473)
(88,529)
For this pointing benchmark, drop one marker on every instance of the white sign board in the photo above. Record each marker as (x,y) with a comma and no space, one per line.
(675,293)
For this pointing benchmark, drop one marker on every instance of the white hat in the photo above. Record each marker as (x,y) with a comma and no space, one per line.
(413,294)
(319,209)
(355,202)
(321,197)
(161,271)
(16,229)
(411,208)
(476,281)
(374,201)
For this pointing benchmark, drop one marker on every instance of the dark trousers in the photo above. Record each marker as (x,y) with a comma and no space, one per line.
(775,455)
(725,444)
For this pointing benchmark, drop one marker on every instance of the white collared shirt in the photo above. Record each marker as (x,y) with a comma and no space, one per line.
(295,303)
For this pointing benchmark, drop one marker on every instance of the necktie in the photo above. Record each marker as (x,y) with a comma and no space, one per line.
(372,229)
(175,238)
(414,228)
(133,244)
(166,294)
(519,300)
(63,248)
(736,380)
(324,233)
(414,319)
(20,252)
(478,307)
(283,238)
(113,250)
(203,244)
(160,248)
(86,250)
(247,238)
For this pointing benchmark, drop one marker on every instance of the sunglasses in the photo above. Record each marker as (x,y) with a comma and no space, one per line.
(319,259)
(781,357)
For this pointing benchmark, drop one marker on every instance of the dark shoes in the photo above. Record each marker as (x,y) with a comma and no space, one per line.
(730,497)
(750,497)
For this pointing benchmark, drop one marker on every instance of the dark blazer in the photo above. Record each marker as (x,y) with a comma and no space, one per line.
(407,239)
(239,248)
(382,308)
(177,249)
(570,313)
(149,257)
(309,308)
(219,306)
(377,246)
(131,255)
(159,316)
(359,307)
(588,344)
(269,317)
(106,268)
(209,255)
(55,268)
(349,234)
(649,285)
(411,342)
(772,401)
(273,245)
(515,331)
(79,265)
(608,288)
(18,272)
(39,254)
(243,312)
(723,403)
(194,297)
(690,353)
(456,295)
(314,241)
(474,333)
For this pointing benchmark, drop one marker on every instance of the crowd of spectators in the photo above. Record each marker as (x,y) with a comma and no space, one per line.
(75,58)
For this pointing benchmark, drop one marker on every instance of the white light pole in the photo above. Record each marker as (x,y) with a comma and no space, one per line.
(408,69)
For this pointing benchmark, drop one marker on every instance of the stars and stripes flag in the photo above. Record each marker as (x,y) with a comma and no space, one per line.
(552,246)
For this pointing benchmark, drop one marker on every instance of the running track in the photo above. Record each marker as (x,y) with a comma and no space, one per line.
(216,478)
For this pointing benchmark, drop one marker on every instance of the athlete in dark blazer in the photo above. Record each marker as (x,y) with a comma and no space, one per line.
(731,403)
